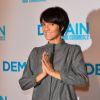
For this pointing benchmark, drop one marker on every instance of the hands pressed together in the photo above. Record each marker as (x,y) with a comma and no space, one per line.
(47,67)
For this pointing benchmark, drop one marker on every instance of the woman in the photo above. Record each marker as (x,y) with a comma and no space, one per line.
(53,69)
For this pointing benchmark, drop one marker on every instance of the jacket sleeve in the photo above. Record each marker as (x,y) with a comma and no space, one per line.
(77,73)
(28,79)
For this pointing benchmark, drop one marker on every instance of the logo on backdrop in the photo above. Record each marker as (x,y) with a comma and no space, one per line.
(77,31)
(13,66)
(3,97)
(93,69)
(2,32)
(30,1)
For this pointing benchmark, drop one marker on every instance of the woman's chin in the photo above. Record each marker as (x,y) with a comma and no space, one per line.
(48,38)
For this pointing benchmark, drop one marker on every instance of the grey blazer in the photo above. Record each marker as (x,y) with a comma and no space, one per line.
(68,60)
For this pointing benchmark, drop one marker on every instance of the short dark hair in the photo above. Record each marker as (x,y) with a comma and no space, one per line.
(56,15)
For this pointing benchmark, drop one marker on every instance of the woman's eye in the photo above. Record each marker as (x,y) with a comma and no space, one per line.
(52,24)
(42,24)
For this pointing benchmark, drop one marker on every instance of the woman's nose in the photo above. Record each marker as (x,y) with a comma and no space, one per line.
(47,27)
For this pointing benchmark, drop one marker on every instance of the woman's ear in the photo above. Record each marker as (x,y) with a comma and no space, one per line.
(62,29)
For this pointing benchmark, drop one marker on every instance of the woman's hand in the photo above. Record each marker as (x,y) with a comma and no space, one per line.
(48,68)
(46,65)
(43,66)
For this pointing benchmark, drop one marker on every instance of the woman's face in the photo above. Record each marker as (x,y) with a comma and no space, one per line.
(51,31)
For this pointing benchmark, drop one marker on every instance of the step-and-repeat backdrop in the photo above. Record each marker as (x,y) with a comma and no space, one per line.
(20,31)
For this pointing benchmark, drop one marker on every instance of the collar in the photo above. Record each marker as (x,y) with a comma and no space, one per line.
(57,46)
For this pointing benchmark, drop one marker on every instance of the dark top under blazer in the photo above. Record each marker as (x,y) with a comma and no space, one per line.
(68,60)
